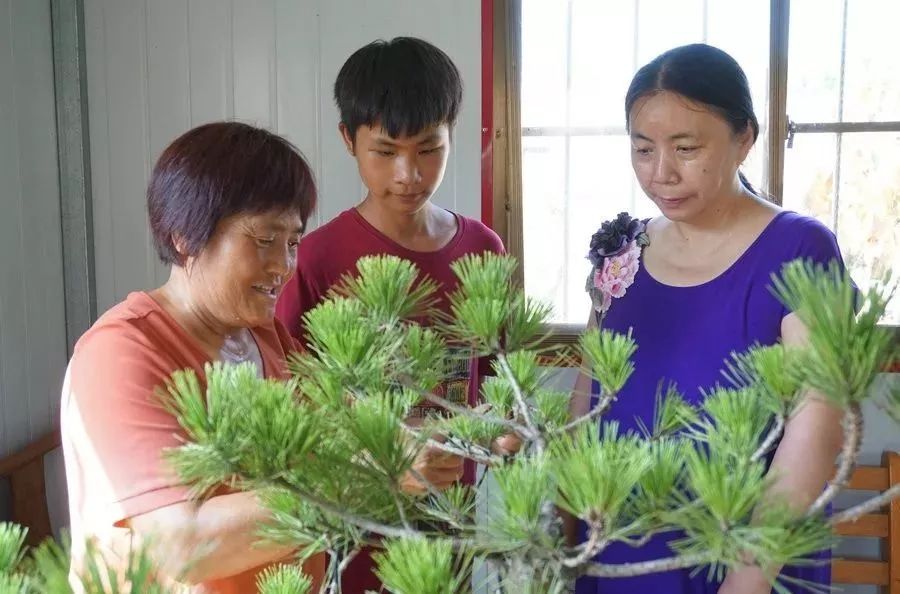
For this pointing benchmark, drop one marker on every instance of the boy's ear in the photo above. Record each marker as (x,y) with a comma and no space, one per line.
(345,136)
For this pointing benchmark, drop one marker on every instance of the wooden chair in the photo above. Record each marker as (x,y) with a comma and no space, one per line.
(25,471)
(883,525)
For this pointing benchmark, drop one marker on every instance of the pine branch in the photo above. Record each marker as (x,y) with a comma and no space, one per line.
(365,523)
(774,434)
(853,513)
(602,406)
(358,521)
(533,435)
(464,452)
(646,567)
(401,512)
(463,410)
(593,546)
(853,428)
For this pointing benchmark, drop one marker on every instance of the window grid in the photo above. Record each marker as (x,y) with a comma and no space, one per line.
(782,128)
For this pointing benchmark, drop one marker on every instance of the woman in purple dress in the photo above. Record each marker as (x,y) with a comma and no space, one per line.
(702,289)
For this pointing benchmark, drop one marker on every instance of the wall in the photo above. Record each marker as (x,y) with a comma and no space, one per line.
(159,67)
(32,316)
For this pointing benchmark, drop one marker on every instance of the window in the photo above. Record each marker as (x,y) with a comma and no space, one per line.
(576,60)
(843,98)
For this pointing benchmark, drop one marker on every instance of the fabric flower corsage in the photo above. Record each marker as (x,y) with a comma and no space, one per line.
(615,256)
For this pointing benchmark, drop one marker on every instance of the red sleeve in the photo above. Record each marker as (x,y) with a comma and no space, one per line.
(287,309)
(301,294)
(496,243)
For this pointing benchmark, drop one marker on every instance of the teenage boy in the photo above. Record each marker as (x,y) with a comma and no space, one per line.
(398,102)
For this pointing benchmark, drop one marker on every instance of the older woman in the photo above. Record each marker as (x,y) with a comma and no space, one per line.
(227,204)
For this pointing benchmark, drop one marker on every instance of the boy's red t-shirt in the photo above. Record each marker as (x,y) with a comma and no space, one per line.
(329,253)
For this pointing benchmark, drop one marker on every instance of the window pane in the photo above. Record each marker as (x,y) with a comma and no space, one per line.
(592,200)
(809,175)
(872,76)
(543,63)
(747,40)
(601,30)
(543,186)
(663,24)
(869,207)
(814,60)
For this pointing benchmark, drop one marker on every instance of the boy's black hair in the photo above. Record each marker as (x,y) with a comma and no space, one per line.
(405,85)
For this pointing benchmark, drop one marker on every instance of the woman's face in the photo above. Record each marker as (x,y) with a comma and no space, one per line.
(239,274)
(685,156)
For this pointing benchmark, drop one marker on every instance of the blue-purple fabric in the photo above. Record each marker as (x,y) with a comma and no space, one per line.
(684,335)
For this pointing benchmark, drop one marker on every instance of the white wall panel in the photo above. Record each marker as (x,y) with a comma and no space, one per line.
(158,67)
(32,307)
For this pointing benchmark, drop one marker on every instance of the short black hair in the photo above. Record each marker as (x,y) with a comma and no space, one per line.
(218,170)
(404,85)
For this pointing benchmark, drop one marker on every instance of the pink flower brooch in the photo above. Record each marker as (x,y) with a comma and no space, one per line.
(615,256)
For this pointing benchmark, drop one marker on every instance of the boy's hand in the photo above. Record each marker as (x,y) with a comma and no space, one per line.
(507,445)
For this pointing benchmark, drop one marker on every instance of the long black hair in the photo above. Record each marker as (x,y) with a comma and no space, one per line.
(704,74)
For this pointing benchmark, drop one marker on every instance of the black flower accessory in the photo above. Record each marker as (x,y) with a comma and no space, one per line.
(614,237)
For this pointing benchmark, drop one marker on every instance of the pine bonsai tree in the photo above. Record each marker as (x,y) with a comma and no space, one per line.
(328,449)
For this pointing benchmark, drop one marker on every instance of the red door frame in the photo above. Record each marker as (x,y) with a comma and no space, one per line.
(487,112)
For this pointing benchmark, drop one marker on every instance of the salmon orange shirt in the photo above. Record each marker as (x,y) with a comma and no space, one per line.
(114,429)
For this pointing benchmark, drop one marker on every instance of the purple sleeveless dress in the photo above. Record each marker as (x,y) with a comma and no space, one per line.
(684,334)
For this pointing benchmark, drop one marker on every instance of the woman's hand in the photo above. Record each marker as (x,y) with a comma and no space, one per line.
(748,579)
(436,466)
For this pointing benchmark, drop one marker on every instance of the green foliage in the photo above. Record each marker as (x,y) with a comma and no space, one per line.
(499,394)
(244,426)
(552,407)
(672,414)
(421,566)
(349,344)
(847,347)
(455,507)
(284,579)
(891,401)
(45,569)
(526,486)
(734,422)
(487,312)
(12,539)
(328,450)
(658,485)
(387,288)
(608,356)
(597,473)
(376,423)
(423,355)
(773,371)
(480,432)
